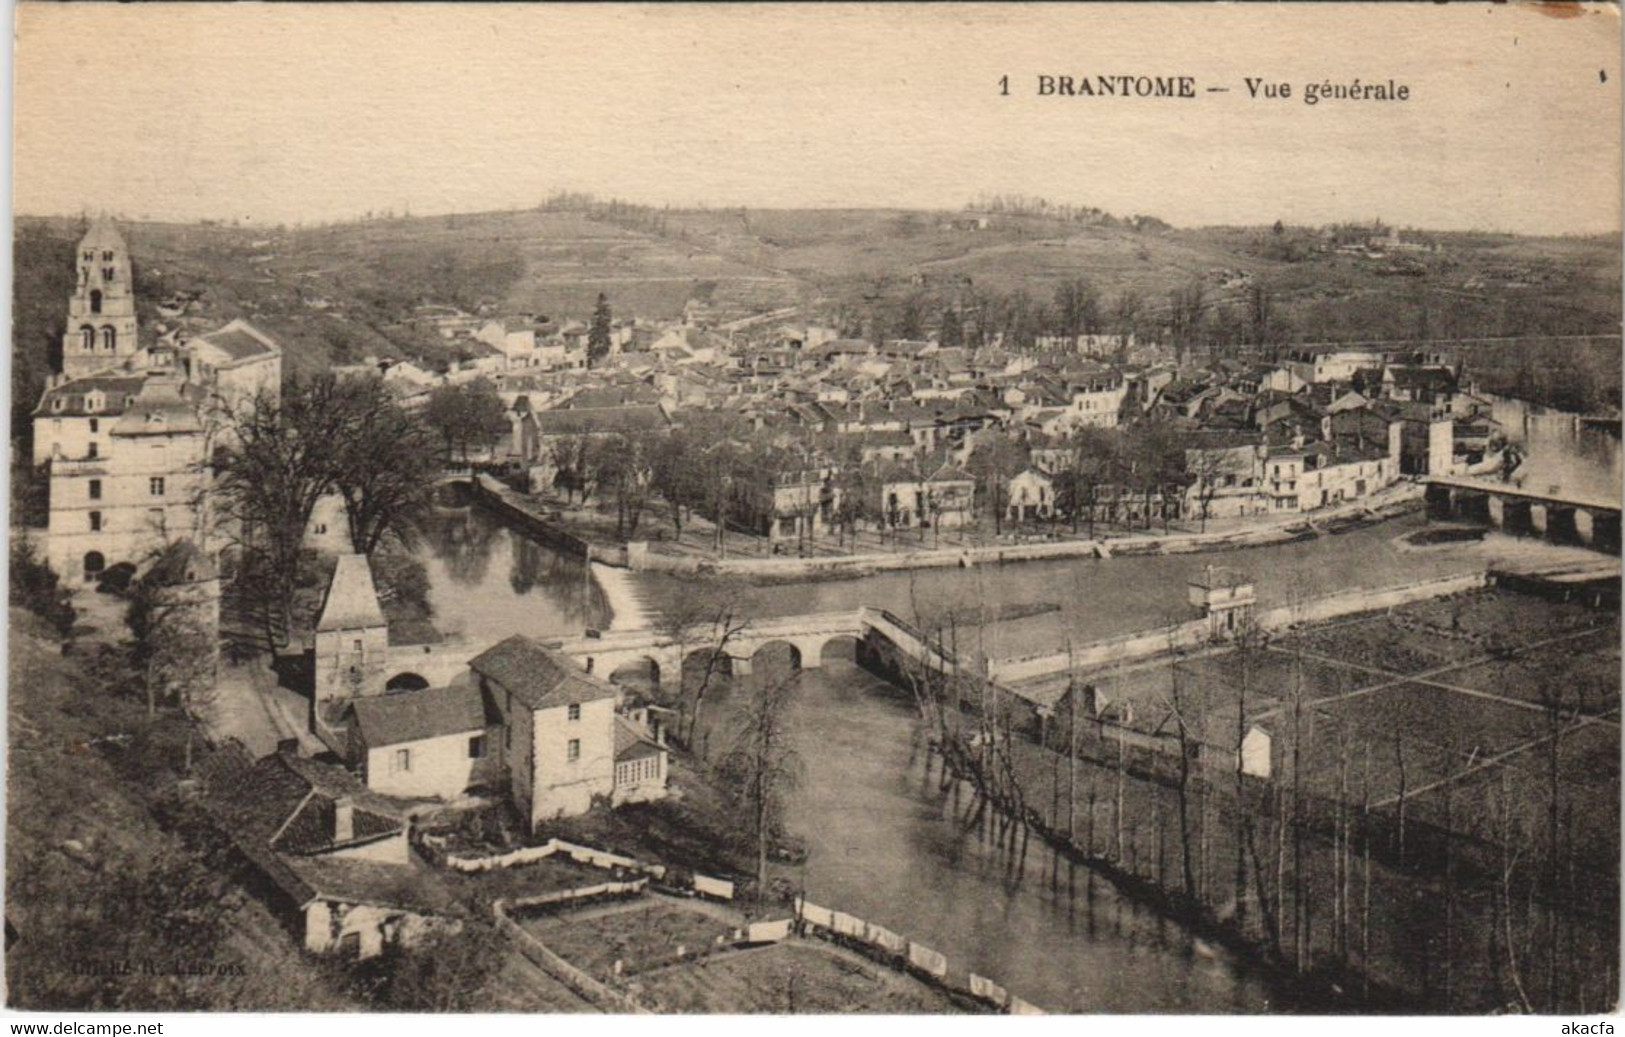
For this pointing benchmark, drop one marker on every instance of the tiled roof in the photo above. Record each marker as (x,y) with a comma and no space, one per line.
(411,716)
(285,803)
(118,390)
(161,407)
(537,676)
(632,744)
(239,340)
(588,420)
(352,600)
(412,886)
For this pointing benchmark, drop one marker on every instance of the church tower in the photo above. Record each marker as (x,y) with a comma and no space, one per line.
(101,311)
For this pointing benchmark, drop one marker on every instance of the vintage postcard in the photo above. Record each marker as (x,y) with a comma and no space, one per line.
(1003,509)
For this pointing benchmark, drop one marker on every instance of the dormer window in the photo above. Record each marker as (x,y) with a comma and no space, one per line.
(93,403)
(58,403)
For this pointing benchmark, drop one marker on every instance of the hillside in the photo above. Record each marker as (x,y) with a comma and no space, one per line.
(339,293)
(92,878)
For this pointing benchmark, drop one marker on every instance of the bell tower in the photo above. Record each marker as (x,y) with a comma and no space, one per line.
(101,311)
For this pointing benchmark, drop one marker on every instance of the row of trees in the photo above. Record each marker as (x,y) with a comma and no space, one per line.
(1313,853)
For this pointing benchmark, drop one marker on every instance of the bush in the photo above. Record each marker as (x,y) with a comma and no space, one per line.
(34,586)
(443,972)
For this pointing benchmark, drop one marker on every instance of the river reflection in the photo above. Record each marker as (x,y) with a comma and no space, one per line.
(889,842)
(488,581)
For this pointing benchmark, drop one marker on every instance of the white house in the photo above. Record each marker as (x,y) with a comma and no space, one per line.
(436,742)
(1030,494)
(559,731)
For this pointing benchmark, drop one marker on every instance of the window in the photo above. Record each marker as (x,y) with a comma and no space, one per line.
(107,273)
(93,450)
(95,489)
(403,759)
(109,338)
(358,644)
(95,522)
(95,301)
(572,752)
(476,747)
(155,486)
(574,712)
(107,256)
(87,338)
(89,255)
(95,425)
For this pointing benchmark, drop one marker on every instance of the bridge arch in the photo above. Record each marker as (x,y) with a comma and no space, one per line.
(771,651)
(406,680)
(841,649)
(695,662)
(639,673)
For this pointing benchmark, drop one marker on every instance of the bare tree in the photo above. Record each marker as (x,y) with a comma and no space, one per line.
(713,616)
(761,761)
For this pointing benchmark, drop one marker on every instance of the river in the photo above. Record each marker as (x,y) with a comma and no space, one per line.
(886,841)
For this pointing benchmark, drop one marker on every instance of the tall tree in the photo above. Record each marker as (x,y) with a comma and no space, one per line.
(762,763)
(951,333)
(275,462)
(384,464)
(598,334)
(1076,310)
(470,418)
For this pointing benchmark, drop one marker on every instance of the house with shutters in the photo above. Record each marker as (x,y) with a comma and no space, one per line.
(563,737)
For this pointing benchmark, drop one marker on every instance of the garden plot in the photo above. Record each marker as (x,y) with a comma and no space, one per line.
(789,977)
(1512,619)
(641,934)
(1377,644)
(1430,733)
(1270,679)
(1582,673)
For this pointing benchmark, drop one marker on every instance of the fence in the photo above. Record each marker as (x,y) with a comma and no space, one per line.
(898,952)
(703,885)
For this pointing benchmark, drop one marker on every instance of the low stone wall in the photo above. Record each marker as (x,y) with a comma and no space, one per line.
(695,883)
(499,498)
(1146,644)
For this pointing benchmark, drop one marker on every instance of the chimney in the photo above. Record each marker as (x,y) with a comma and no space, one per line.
(343,819)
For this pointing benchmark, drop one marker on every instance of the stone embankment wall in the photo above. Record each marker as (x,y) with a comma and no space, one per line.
(1149,643)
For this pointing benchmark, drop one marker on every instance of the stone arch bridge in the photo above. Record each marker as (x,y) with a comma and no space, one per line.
(806,635)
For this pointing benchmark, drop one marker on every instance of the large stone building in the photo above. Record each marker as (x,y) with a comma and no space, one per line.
(124,431)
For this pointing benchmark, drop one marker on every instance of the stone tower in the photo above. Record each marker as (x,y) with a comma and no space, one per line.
(101,311)
(351,647)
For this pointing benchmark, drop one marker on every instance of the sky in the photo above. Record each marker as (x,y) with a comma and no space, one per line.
(305,113)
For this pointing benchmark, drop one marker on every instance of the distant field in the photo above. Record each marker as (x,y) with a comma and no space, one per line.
(335,294)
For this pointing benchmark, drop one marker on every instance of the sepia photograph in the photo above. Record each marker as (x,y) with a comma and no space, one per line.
(1088,509)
